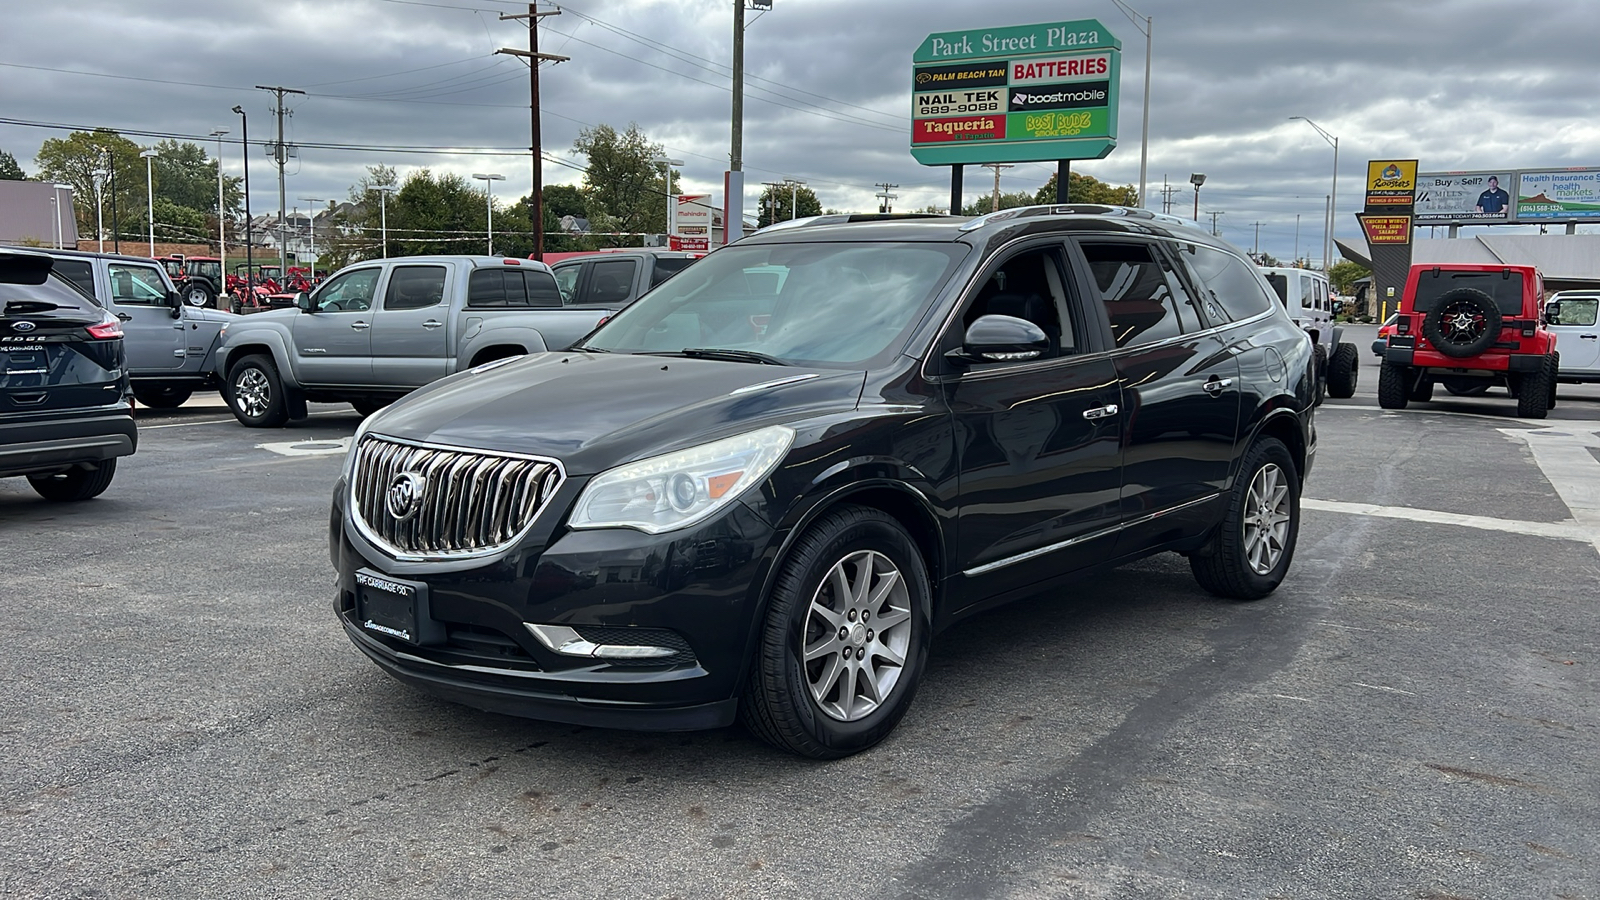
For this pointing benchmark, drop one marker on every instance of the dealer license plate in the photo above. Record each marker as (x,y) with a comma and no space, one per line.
(388,605)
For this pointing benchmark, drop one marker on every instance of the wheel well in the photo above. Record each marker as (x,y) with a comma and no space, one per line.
(1286,430)
(914,517)
(244,350)
(499,351)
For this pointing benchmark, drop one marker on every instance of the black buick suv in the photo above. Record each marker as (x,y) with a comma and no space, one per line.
(760,490)
(64,413)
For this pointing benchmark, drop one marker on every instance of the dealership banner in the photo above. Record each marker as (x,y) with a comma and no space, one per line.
(1558,195)
(1477,197)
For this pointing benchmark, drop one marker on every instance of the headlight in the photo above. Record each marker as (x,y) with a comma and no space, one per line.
(679,489)
(355,441)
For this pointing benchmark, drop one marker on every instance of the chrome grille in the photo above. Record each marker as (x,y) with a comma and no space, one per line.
(472,501)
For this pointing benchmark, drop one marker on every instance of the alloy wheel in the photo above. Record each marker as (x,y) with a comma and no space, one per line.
(856,636)
(1266,520)
(252,392)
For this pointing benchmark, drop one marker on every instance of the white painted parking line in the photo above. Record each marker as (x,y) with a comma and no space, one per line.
(1566,531)
(1563,454)
(187,424)
(310,447)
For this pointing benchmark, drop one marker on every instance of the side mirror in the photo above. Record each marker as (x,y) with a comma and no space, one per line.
(175,300)
(1552,312)
(303,301)
(996,338)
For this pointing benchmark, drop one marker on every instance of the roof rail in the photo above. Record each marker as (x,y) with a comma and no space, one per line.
(848,218)
(1072,209)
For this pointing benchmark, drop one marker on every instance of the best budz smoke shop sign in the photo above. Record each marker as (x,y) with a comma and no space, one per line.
(1029,93)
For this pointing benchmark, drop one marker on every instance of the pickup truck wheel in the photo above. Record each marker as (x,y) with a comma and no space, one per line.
(1465,322)
(1533,394)
(1392,393)
(1342,372)
(255,392)
(845,638)
(1249,555)
(162,397)
(198,293)
(74,484)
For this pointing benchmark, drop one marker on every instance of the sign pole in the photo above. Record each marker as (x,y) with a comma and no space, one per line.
(955,188)
(1063,174)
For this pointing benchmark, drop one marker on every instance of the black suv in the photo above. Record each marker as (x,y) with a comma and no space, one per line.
(760,490)
(64,414)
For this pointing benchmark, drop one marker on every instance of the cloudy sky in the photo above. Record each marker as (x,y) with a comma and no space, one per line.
(1458,84)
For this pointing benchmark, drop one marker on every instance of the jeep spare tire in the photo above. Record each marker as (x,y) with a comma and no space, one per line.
(1465,322)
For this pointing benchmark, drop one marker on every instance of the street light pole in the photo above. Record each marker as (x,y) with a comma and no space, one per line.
(1333,196)
(249,238)
(666,165)
(99,209)
(1144,137)
(488,200)
(311,222)
(150,195)
(1197,179)
(222,217)
(794,197)
(383,215)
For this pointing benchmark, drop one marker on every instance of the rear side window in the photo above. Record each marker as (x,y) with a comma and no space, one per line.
(610,281)
(1308,294)
(1231,289)
(77,271)
(1280,286)
(414,287)
(1577,311)
(542,289)
(1141,298)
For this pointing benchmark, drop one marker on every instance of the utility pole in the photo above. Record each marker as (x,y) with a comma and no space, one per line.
(771,193)
(1258,237)
(885,196)
(794,197)
(533,56)
(1214,213)
(1167,191)
(997,167)
(280,155)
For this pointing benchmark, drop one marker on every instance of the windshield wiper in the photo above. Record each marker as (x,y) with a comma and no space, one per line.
(588,350)
(732,355)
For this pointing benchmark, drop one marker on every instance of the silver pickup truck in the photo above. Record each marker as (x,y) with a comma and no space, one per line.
(171,345)
(379,329)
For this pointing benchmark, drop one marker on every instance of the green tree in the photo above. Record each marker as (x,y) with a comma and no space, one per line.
(182,225)
(75,158)
(1088,189)
(1344,274)
(778,203)
(188,178)
(622,185)
(1007,201)
(9,170)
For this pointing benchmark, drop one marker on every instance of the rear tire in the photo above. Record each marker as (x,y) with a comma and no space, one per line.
(1533,394)
(1249,555)
(845,638)
(74,485)
(1422,391)
(1392,386)
(199,294)
(1342,372)
(162,397)
(1319,356)
(255,393)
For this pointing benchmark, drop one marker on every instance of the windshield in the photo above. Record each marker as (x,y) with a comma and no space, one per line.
(827,304)
(1507,292)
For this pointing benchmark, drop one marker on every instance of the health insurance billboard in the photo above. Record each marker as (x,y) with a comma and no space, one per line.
(1464,197)
(1024,93)
(1558,195)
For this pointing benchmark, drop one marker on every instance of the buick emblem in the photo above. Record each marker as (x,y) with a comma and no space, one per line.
(404,497)
(23,326)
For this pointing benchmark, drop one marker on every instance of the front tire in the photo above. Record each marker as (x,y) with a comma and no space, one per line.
(162,397)
(255,393)
(845,640)
(1342,372)
(1392,393)
(1250,554)
(74,485)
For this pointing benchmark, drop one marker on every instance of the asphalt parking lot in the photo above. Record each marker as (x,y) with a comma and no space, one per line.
(1413,714)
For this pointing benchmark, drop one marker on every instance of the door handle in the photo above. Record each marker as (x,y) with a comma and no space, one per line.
(360,326)
(432,323)
(1215,386)
(1100,412)
(1590,337)
(125,317)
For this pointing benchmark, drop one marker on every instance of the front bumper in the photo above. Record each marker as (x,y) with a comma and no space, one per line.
(50,442)
(695,591)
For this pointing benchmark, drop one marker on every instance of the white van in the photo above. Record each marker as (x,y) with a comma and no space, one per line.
(1305,294)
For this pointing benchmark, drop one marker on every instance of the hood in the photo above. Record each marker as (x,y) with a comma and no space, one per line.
(594,411)
(205,314)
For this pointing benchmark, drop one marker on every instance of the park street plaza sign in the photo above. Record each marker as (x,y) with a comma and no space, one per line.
(1026,93)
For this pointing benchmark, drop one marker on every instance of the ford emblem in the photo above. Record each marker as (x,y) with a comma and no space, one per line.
(23,327)
(404,496)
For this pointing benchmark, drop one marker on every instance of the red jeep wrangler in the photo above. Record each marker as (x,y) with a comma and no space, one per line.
(1469,327)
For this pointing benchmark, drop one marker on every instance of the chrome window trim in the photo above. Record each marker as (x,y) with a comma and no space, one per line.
(353,508)
(1062,545)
